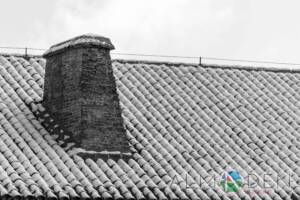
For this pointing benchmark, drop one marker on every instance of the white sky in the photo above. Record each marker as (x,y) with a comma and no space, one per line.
(240,29)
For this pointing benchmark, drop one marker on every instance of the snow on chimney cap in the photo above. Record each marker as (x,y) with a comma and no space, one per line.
(82,40)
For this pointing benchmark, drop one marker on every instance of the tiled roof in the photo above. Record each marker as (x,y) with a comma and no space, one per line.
(185,124)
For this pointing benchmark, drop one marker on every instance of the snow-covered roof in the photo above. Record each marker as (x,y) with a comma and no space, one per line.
(186,124)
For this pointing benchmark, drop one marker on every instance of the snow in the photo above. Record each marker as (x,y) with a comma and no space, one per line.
(83,39)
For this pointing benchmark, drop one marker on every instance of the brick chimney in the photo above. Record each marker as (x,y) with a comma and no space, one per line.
(80,92)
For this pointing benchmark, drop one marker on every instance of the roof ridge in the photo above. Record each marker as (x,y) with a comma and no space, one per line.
(238,67)
(21,55)
(220,66)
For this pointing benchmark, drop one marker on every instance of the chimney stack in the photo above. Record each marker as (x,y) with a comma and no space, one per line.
(80,92)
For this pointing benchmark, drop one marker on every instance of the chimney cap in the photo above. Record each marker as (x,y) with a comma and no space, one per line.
(82,40)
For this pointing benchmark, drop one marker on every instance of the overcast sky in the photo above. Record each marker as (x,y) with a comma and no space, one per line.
(240,29)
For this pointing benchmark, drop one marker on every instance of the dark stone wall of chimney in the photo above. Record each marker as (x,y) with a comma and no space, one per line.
(80,91)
